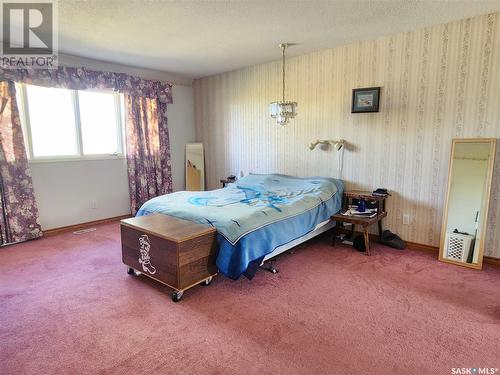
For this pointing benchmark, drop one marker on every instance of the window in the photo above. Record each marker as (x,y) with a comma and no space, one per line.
(71,124)
(99,121)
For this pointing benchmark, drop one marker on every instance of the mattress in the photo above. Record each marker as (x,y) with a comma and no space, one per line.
(320,228)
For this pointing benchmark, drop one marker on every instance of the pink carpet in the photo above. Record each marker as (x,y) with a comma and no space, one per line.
(67,306)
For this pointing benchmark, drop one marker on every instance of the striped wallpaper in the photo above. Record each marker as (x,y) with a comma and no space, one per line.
(437,83)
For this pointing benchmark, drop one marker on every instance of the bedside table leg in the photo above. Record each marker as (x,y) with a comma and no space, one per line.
(380,229)
(367,241)
(334,231)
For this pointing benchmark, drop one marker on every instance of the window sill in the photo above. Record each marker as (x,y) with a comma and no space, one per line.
(76,159)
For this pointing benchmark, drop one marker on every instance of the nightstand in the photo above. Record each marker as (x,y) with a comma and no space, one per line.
(365,222)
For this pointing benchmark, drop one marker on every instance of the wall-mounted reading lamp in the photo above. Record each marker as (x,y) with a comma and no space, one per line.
(338,143)
(339,146)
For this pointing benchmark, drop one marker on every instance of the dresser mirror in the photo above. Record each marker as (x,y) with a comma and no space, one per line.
(466,210)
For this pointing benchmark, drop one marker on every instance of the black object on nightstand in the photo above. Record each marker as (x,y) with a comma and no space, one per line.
(228,180)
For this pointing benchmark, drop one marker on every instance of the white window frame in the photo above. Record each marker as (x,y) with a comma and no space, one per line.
(22,97)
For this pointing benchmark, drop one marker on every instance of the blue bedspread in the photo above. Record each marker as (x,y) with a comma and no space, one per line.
(254,215)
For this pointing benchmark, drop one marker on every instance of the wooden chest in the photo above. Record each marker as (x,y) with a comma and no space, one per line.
(175,252)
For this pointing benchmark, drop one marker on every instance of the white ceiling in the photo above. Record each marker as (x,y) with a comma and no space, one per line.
(199,38)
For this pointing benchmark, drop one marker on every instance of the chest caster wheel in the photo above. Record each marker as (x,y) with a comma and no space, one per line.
(176,296)
(207,281)
(131,271)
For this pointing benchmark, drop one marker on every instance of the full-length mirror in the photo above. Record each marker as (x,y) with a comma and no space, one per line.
(195,167)
(466,209)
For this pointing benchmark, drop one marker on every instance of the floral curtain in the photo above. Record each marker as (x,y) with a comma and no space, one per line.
(148,147)
(148,150)
(18,209)
(81,79)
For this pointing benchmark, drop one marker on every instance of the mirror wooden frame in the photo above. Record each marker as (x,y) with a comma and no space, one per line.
(489,177)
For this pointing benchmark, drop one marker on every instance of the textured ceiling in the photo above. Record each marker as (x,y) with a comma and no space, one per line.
(199,38)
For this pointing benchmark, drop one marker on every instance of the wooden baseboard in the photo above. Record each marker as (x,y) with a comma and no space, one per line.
(421,247)
(492,261)
(373,237)
(75,227)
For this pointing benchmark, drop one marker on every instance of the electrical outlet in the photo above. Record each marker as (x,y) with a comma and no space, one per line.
(406,219)
(93,205)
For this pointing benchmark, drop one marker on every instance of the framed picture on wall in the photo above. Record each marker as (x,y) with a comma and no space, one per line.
(365,100)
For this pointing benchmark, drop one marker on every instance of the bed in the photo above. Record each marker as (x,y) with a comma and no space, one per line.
(257,217)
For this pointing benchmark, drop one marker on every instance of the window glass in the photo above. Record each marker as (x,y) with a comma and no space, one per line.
(52,121)
(98,119)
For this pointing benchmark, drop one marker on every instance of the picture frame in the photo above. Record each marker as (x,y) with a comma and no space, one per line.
(365,100)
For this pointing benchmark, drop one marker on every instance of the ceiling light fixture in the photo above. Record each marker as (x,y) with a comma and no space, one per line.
(283,111)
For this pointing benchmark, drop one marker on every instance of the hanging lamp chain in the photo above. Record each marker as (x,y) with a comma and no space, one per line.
(283,47)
